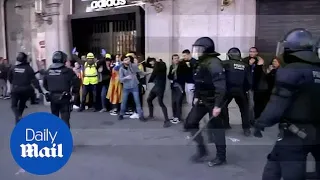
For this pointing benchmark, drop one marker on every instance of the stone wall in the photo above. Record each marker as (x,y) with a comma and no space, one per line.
(183,21)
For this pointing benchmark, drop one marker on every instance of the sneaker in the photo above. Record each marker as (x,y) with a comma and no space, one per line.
(114,113)
(103,110)
(75,107)
(134,116)
(6,97)
(86,108)
(120,118)
(175,121)
(113,110)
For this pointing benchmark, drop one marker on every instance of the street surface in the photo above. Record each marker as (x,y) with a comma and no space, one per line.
(131,150)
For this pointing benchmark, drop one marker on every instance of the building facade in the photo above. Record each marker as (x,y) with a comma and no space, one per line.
(155,29)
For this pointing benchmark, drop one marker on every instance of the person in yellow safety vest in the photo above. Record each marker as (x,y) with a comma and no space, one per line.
(90,81)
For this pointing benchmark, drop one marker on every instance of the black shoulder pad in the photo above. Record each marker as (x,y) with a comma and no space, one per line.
(289,76)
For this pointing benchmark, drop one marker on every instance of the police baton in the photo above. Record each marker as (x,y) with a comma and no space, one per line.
(190,139)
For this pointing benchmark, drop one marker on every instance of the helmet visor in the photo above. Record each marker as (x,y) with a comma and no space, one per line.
(197,51)
(318,52)
(280,49)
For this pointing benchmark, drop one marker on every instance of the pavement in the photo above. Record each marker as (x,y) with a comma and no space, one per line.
(132,150)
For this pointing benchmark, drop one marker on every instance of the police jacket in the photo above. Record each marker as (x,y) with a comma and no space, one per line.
(60,79)
(210,81)
(22,76)
(238,76)
(295,97)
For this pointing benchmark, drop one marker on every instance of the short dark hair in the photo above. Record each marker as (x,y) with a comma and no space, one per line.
(186,51)
(174,55)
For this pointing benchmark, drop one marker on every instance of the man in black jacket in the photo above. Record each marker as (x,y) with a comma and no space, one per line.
(176,77)
(159,78)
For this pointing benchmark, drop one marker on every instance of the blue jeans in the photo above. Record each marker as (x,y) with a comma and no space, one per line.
(104,91)
(135,93)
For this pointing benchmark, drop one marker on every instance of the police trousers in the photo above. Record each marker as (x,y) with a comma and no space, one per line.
(61,107)
(243,103)
(18,101)
(216,127)
(288,158)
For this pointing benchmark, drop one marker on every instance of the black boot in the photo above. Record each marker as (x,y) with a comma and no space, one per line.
(216,162)
(247,132)
(120,117)
(200,156)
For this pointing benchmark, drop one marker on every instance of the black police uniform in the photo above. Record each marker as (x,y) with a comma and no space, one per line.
(22,77)
(210,88)
(239,81)
(294,104)
(59,80)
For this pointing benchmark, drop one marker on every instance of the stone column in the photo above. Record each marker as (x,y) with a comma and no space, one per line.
(2,30)
(52,29)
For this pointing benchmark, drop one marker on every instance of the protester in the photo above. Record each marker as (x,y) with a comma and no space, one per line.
(271,73)
(188,65)
(104,68)
(4,70)
(127,76)
(77,98)
(177,81)
(115,87)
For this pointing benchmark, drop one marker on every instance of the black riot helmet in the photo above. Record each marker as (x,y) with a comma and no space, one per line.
(203,45)
(296,45)
(234,54)
(59,57)
(22,58)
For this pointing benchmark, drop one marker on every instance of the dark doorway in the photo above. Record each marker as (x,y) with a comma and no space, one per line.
(117,33)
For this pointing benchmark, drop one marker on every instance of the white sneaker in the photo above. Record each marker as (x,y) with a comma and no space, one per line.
(75,107)
(134,116)
(114,113)
(175,121)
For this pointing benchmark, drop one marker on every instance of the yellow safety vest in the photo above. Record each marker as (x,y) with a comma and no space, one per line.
(90,74)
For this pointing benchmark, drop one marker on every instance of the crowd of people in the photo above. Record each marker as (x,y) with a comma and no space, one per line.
(117,84)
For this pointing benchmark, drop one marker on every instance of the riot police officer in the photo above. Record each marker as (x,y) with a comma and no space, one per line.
(210,89)
(22,77)
(59,80)
(294,104)
(239,81)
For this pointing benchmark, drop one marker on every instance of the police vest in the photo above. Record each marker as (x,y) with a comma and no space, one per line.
(90,74)
(203,79)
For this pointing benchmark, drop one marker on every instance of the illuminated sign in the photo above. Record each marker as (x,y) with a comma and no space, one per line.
(107,3)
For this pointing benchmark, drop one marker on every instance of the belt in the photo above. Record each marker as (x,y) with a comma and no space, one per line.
(90,76)
(293,129)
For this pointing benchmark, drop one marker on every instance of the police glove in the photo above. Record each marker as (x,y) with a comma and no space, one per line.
(47,96)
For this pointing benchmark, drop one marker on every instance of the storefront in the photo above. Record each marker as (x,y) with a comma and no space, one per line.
(276,17)
(157,30)
(117,26)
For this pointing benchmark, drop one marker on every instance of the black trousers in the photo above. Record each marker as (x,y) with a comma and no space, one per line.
(18,102)
(243,103)
(260,99)
(288,158)
(176,98)
(61,108)
(87,89)
(216,127)
(157,92)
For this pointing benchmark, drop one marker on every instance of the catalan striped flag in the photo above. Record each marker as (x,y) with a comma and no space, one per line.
(115,88)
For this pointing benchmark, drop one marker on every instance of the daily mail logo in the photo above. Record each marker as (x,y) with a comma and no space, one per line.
(41,143)
(33,150)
